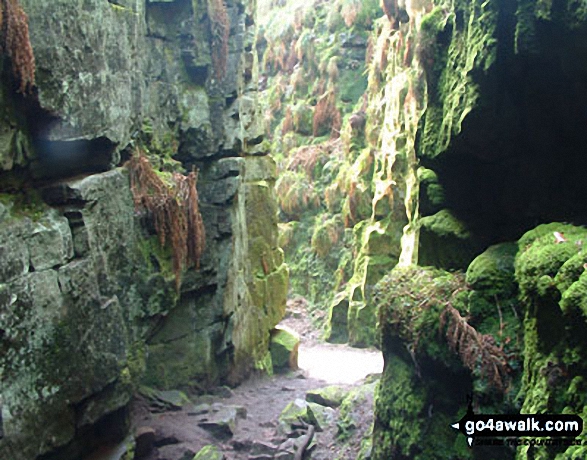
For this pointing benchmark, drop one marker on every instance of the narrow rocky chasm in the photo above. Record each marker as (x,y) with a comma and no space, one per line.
(285,229)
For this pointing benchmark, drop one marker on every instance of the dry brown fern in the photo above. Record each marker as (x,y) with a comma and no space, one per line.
(350,10)
(305,158)
(288,123)
(220,30)
(196,234)
(476,350)
(15,43)
(327,115)
(174,210)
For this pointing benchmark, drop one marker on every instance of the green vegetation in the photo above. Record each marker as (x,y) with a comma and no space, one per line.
(427,323)
(551,276)
(26,203)
(316,78)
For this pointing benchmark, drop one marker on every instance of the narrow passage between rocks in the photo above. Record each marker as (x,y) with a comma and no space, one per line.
(267,417)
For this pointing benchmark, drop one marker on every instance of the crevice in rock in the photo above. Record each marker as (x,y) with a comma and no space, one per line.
(519,160)
(59,159)
(110,429)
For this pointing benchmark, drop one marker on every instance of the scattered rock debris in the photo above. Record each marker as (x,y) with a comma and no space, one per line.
(288,416)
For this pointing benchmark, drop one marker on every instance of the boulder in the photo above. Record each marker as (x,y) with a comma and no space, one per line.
(263,448)
(209,453)
(331,396)
(294,412)
(144,441)
(284,349)
(221,422)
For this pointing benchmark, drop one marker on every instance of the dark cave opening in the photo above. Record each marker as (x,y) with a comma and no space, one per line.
(520,158)
(59,159)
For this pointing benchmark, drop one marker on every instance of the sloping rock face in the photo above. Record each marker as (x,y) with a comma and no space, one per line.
(88,302)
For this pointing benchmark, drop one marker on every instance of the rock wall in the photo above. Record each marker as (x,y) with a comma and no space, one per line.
(497,87)
(89,308)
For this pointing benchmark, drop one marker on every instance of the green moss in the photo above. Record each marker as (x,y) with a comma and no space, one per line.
(445,224)
(426,176)
(351,409)
(399,409)
(294,412)
(553,289)
(303,119)
(27,203)
(541,257)
(352,85)
(432,24)
(136,362)
(284,344)
(209,453)
(450,65)
(410,301)
(326,234)
(156,257)
(493,271)
(445,242)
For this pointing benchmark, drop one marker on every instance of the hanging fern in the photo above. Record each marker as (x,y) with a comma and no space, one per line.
(15,43)
(219,30)
(174,210)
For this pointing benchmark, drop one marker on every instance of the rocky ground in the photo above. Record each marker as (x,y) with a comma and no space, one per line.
(270,417)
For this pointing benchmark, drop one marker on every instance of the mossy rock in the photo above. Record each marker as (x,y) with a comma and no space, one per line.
(284,349)
(551,273)
(541,256)
(294,412)
(352,406)
(432,196)
(209,453)
(492,272)
(410,301)
(337,323)
(277,288)
(378,240)
(445,224)
(330,396)
(445,242)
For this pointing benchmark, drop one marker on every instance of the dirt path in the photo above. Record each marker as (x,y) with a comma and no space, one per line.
(244,422)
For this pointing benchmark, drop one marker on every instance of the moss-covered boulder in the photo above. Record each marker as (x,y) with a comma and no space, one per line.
(284,349)
(434,356)
(493,297)
(331,396)
(445,242)
(294,412)
(209,453)
(431,193)
(550,270)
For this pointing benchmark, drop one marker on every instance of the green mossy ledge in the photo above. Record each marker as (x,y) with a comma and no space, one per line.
(425,382)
